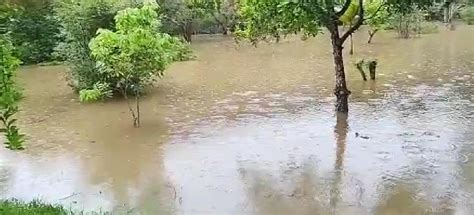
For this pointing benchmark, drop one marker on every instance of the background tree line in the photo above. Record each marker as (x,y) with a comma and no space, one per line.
(36,27)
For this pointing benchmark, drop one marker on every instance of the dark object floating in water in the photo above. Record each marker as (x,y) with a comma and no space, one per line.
(361,136)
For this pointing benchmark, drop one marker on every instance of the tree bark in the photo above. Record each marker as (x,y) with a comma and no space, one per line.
(132,112)
(341,91)
(188,32)
(372,69)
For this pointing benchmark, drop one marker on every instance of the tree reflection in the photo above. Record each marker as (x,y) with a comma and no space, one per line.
(340,133)
(126,165)
(298,190)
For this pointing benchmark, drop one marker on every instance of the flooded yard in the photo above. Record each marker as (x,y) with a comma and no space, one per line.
(244,130)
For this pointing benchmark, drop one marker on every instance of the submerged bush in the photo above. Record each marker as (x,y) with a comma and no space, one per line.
(80,22)
(467,14)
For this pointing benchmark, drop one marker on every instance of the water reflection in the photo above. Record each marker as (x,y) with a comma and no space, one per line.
(340,133)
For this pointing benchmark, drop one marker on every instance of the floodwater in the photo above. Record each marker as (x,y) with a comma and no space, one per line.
(244,130)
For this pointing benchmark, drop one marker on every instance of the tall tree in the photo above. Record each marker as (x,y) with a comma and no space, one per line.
(263,19)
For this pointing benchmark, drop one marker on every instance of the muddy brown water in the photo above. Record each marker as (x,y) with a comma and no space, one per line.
(245,130)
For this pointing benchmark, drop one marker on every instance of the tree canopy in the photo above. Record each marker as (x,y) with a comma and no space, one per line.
(136,53)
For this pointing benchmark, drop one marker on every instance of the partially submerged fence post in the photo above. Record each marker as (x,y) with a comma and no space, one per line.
(372,68)
(370,64)
(360,67)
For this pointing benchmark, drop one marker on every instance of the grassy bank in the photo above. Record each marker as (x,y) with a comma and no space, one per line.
(14,207)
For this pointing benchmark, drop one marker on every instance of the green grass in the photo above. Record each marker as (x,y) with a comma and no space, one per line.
(15,207)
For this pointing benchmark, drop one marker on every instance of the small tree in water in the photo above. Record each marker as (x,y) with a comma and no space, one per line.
(9,95)
(272,18)
(135,54)
(380,16)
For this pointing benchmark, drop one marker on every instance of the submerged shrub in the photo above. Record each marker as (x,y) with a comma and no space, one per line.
(428,28)
(182,50)
(100,91)
(136,53)
(81,21)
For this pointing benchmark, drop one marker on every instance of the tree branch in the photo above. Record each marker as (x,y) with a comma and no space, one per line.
(344,8)
(356,26)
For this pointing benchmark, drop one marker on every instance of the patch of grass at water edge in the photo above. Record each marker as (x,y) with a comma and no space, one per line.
(15,207)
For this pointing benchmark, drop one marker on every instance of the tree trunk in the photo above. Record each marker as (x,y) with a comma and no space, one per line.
(446,11)
(360,67)
(188,32)
(341,91)
(372,69)
(137,100)
(371,35)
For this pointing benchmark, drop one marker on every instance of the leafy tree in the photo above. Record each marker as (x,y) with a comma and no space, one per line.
(33,29)
(80,20)
(264,19)
(467,14)
(135,53)
(377,10)
(6,13)
(9,95)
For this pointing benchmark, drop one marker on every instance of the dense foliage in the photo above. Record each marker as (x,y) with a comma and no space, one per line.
(133,55)
(181,17)
(33,28)
(9,95)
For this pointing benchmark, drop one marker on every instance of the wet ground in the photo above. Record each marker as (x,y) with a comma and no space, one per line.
(245,130)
